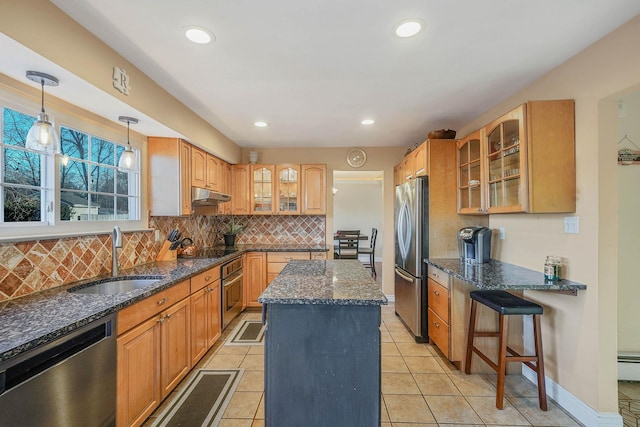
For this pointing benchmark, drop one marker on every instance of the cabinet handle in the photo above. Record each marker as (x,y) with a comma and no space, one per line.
(435,275)
(160,320)
(436,292)
(209,290)
(436,324)
(288,257)
(167,316)
(162,301)
(207,278)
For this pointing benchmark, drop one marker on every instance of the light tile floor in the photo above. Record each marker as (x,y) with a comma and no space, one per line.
(419,387)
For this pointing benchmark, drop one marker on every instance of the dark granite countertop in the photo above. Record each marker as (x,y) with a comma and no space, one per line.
(39,318)
(501,275)
(337,282)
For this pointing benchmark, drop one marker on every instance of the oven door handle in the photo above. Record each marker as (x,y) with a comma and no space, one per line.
(234,280)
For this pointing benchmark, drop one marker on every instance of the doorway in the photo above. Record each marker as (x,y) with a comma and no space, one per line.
(357,205)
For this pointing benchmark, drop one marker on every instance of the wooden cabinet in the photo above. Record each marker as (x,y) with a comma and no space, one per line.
(153,352)
(438,309)
(408,171)
(198,167)
(213,173)
(420,160)
(262,189)
(277,260)
(314,189)
(288,189)
(225,180)
(240,189)
(205,312)
(528,156)
(318,255)
(398,178)
(470,175)
(169,176)
(255,277)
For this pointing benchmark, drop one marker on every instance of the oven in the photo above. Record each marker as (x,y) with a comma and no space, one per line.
(231,284)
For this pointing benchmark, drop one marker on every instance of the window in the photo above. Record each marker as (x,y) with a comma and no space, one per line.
(88,186)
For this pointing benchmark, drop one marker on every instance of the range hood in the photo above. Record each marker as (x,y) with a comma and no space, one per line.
(204,197)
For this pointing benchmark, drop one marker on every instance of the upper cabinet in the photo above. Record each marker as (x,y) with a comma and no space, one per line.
(470,173)
(205,170)
(529,158)
(413,165)
(288,192)
(169,176)
(420,160)
(262,189)
(240,189)
(314,189)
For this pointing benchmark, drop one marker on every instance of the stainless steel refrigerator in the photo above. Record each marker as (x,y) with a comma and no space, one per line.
(411,247)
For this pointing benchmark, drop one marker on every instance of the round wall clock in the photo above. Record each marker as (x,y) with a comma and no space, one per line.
(356,158)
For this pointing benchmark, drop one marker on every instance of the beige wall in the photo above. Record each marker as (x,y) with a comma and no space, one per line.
(628,231)
(378,159)
(580,332)
(63,41)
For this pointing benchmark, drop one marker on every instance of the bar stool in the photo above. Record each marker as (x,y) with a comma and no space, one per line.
(507,304)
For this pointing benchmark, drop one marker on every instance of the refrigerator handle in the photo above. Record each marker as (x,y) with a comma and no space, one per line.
(404,276)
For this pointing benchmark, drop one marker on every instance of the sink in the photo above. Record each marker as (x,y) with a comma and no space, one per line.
(116,285)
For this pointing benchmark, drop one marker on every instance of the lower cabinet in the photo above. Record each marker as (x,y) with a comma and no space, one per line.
(277,260)
(206,322)
(255,277)
(153,352)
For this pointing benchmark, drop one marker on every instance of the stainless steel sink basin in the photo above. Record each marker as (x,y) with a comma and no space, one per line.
(116,285)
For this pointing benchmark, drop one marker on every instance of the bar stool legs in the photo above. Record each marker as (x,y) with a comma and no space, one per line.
(506,304)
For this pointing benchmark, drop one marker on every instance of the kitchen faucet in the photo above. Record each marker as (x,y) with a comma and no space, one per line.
(116,242)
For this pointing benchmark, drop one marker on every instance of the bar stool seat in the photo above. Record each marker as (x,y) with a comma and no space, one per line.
(506,304)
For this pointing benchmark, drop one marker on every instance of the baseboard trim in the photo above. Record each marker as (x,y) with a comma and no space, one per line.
(577,408)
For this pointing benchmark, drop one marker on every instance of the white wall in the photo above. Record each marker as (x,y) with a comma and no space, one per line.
(629,230)
(358,206)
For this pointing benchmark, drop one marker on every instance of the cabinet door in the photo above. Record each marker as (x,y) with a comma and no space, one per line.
(214,320)
(174,354)
(470,176)
(407,168)
(138,373)
(507,172)
(262,189)
(198,168)
(255,277)
(185,177)
(420,161)
(398,178)
(240,185)
(225,178)
(288,191)
(314,189)
(199,337)
(213,174)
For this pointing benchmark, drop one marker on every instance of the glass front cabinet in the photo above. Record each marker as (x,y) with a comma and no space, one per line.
(470,176)
(288,189)
(262,189)
(523,161)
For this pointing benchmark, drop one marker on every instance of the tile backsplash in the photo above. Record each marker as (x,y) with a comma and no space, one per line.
(31,266)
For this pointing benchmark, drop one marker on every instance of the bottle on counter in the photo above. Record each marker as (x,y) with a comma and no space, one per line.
(552,266)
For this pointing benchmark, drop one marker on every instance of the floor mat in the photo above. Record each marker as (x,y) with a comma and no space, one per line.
(203,399)
(248,332)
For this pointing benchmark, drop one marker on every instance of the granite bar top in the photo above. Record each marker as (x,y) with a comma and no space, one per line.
(501,275)
(39,318)
(333,282)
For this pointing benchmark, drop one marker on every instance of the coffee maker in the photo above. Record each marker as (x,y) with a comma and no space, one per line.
(474,244)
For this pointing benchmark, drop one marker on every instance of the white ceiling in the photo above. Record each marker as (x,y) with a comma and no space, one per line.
(314,69)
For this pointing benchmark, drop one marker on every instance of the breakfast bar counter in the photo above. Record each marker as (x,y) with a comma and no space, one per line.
(322,345)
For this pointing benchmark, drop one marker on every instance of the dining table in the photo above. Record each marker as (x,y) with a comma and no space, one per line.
(360,237)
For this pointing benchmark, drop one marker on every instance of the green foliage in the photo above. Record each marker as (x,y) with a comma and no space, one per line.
(234,227)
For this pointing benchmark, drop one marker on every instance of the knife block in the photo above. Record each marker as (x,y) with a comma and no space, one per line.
(167,254)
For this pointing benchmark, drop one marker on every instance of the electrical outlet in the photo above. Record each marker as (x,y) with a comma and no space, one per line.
(157,236)
(572,224)
(501,233)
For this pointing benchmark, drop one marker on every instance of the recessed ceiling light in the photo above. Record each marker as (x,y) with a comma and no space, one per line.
(407,28)
(199,35)
(368,121)
(261,124)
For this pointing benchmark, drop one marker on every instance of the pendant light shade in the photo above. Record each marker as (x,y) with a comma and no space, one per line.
(42,136)
(127,160)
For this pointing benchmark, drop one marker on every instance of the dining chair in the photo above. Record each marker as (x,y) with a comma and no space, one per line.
(348,244)
(371,252)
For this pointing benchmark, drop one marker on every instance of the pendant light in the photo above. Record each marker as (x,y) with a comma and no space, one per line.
(42,136)
(127,160)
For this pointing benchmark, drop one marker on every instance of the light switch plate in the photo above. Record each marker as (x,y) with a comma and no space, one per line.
(501,233)
(572,224)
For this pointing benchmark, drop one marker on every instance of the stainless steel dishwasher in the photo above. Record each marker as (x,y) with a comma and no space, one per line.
(68,382)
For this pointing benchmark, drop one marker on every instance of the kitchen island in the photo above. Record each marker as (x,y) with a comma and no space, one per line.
(322,345)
